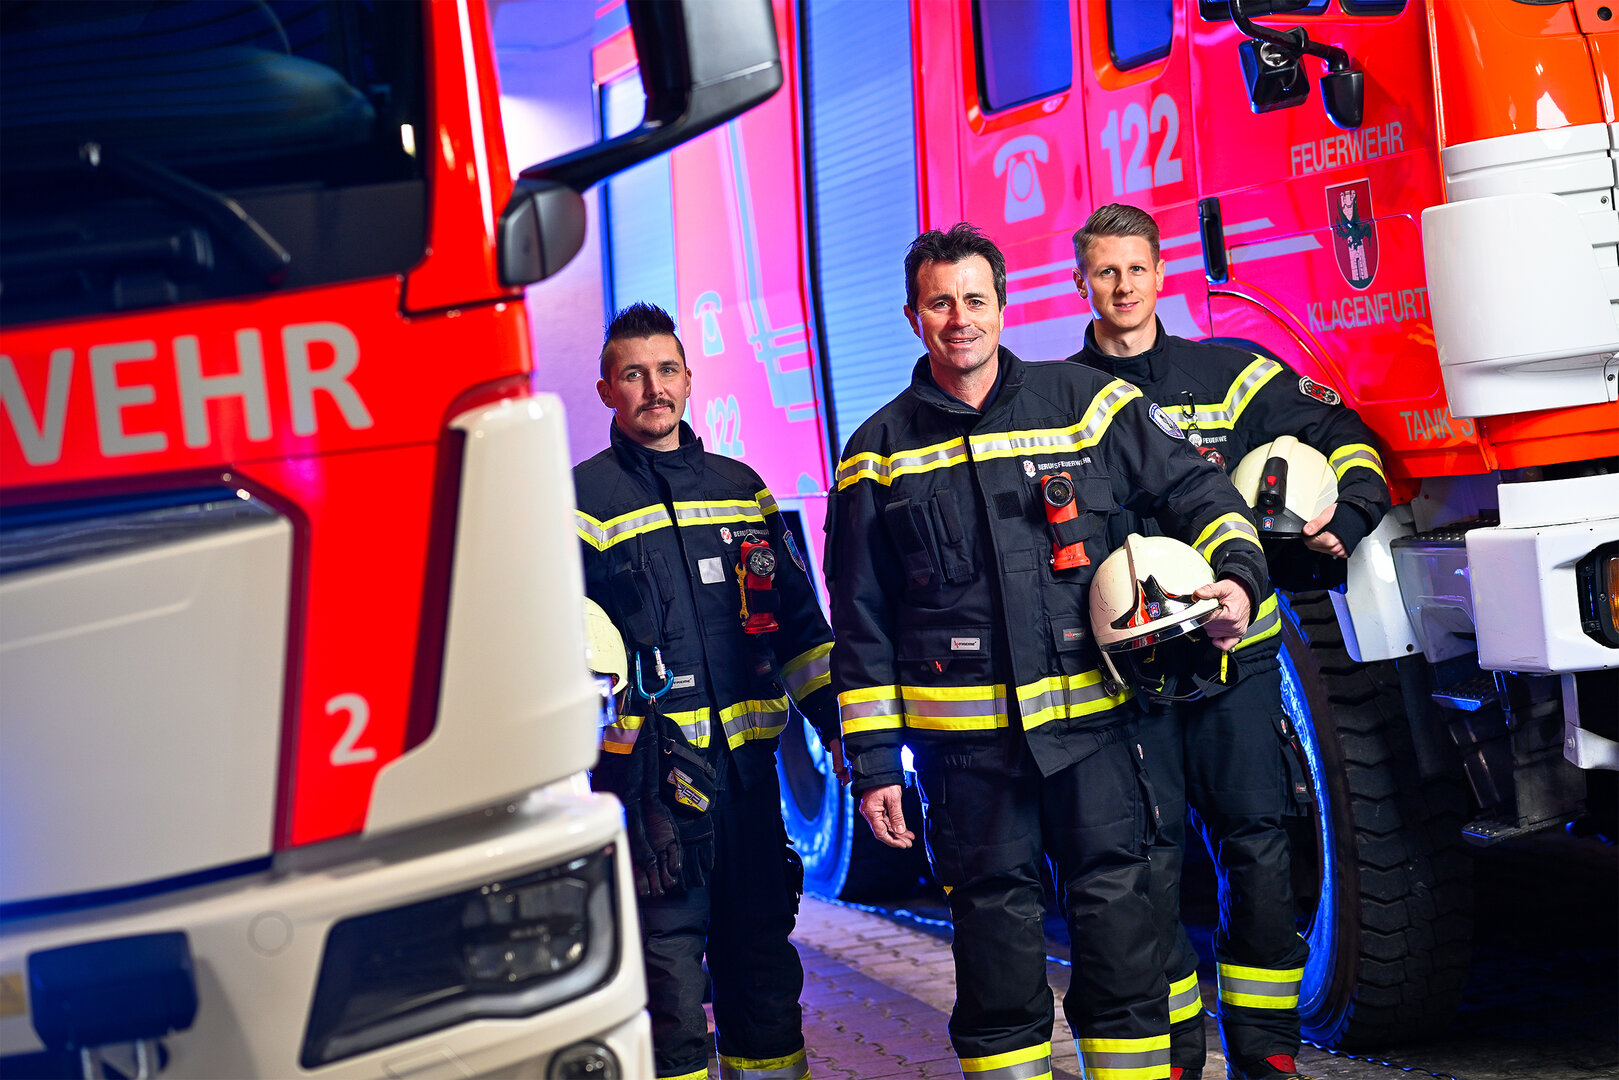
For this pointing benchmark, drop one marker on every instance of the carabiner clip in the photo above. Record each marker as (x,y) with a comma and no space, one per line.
(668,678)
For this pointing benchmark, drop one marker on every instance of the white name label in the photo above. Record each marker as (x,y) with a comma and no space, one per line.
(964,644)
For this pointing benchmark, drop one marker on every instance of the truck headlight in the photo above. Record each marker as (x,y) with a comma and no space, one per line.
(507,948)
(1597,578)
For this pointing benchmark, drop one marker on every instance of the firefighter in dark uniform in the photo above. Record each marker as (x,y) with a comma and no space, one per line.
(1227,752)
(965,526)
(687,553)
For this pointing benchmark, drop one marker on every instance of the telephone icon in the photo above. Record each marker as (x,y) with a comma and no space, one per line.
(708,312)
(1016,159)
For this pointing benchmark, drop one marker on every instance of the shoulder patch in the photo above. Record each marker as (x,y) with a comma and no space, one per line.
(1320,391)
(1165,422)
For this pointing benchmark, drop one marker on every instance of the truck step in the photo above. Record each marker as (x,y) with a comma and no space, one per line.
(1470,694)
(1486,832)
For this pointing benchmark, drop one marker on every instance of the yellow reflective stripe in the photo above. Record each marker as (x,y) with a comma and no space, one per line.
(1223,528)
(1066,697)
(1224,414)
(766,501)
(1185,999)
(1088,432)
(791,1067)
(749,720)
(619,736)
(1265,623)
(602,535)
(1356,456)
(955,708)
(871,708)
(718,512)
(808,671)
(1125,1059)
(1029,1063)
(700,1074)
(884,470)
(1260,988)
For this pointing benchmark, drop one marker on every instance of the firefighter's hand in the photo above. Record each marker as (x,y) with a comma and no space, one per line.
(1226,628)
(834,750)
(881,809)
(1316,538)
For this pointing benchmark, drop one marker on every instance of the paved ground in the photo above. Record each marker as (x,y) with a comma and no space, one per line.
(1542,1003)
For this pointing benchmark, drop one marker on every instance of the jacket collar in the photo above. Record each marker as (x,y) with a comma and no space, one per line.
(636,458)
(1147,366)
(1009,379)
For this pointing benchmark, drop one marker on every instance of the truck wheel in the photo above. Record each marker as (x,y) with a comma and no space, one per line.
(841,858)
(1381,875)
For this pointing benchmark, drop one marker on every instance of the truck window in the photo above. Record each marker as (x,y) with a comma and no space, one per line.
(639,211)
(1025,50)
(1139,31)
(861,164)
(131,128)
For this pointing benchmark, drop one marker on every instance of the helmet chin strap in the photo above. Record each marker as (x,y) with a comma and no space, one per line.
(1113,683)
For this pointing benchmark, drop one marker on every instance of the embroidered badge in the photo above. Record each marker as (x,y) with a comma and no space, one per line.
(1320,391)
(725,534)
(964,644)
(1028,468)
(1165,422)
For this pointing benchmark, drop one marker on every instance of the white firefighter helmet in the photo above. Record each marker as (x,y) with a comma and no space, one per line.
(1287,483)
(1146,620)
(604,646)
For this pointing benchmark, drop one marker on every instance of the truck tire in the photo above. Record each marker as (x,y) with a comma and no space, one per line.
(842,860)
(1382,877)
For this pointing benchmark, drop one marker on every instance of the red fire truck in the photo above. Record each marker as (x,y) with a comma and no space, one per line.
(1409,201)
(293,694)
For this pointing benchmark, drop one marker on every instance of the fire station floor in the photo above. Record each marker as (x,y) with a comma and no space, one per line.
(1543,1002)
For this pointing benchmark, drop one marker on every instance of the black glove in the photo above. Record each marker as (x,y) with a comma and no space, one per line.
(658,871)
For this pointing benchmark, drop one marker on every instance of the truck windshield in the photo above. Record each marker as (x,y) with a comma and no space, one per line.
(164,151)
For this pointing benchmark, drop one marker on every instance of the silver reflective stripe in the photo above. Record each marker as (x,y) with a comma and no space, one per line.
(1358,455)
(1023,1070)
(604,535)
(1098,416)
(861,710)
(953,707)
(1185,999)
(767,502)
(717,512)
(753,720)
(883,470)
(1266,622)
(808,671)
(792,1067)
(1225,414)
(694,725)
(1222,530)
(1144,1058)
(1259,988)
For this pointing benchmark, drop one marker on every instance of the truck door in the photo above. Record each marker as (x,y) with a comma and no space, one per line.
(1001,135)
(1136,59)
(1321,222)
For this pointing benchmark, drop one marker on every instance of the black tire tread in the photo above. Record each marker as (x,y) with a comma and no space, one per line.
(1414,900)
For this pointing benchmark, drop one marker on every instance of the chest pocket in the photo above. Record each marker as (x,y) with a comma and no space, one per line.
(931,540)
(644,595)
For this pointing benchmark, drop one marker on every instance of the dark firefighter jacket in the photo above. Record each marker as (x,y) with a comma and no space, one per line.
(939,557)
(1229,401)
(662,534)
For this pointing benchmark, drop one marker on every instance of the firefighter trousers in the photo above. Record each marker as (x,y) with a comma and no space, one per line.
(991,822)
(1229,758)
(740,920)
